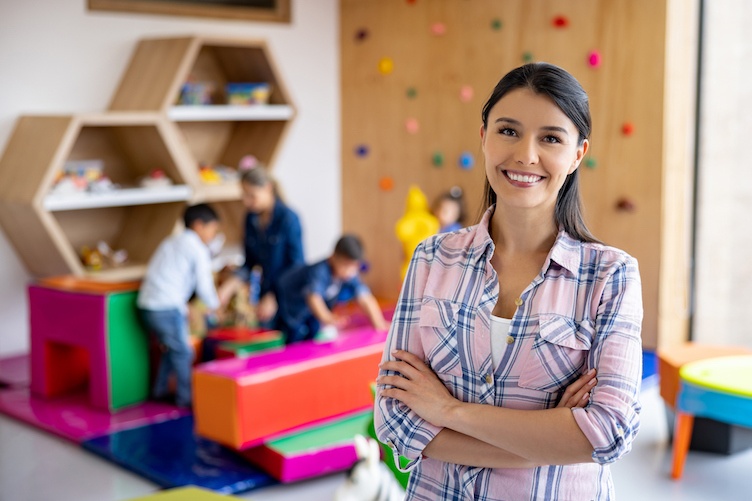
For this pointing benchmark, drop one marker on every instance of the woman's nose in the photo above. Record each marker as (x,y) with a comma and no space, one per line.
(526,152)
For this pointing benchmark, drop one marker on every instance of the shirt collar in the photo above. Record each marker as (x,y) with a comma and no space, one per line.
(565,251)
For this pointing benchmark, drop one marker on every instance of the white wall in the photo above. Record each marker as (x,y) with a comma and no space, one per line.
(57,57)
(724,197)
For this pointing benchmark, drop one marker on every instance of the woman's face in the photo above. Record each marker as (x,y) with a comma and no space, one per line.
(258,198)
(530,146)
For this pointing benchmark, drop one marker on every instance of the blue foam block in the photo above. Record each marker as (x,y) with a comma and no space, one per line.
(649,368)
(171,455)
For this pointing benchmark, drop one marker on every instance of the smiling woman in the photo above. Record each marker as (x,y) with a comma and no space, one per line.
(488,380)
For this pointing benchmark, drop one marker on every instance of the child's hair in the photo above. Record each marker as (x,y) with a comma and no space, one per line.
(199,212)
(453,195)
(349,246)
(260,176)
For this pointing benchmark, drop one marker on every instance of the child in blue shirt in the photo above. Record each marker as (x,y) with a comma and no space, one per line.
(180,266)
(306,294)
(449,209)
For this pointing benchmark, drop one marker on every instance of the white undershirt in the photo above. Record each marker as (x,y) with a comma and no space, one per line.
(499,333)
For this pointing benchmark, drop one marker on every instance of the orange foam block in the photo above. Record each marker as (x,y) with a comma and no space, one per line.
(241,402)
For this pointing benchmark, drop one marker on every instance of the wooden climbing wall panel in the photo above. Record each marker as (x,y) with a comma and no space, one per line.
(415,76)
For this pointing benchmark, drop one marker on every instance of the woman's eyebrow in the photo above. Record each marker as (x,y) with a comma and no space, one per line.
(549,128)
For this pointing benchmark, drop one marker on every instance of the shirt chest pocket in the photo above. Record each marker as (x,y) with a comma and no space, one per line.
(438,327)
(558,354)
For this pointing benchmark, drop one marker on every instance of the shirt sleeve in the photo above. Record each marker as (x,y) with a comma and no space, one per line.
(294,240)
(358,287)
(244,272)
(611,419)
(396,425)
(205,288)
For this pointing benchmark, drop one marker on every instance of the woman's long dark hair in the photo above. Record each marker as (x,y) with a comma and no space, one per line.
(564,90)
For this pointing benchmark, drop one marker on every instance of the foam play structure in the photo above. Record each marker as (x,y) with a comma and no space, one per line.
(312,452)
(87,373)
(242,342)
(228,342)
(242,402)
(719,388)
(708,435)
(88,338)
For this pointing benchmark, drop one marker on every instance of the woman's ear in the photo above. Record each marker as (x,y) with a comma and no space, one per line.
(581,151)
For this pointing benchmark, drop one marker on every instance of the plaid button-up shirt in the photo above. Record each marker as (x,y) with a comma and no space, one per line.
(583,310)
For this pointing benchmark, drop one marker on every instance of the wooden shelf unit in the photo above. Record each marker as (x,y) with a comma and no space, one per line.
(216,134)
(143,130)
(49,229)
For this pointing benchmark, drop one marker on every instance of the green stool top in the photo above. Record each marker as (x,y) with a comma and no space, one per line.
(726,374)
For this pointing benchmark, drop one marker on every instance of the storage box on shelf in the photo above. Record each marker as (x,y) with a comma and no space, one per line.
(217,133)
(49,227)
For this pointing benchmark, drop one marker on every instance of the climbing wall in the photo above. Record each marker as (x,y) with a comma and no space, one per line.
(415,75)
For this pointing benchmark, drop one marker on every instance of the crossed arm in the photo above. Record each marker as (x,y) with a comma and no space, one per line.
(485,435)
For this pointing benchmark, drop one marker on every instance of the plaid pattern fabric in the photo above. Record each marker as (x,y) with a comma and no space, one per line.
(583,310)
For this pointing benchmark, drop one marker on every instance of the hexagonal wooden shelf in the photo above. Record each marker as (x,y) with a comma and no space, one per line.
(217,133)
(49,229)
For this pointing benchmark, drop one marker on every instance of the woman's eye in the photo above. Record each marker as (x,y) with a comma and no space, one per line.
(551,139)
(506,131)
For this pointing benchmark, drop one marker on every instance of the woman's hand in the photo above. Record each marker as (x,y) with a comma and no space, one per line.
(577,394)
(267,307)
(417,387)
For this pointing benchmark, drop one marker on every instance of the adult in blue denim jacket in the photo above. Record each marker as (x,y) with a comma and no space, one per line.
(273,241)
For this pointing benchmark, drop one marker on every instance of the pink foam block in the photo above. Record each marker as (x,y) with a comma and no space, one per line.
(243,401)
(71,417)
(87,340)
(14,371)
(313,451)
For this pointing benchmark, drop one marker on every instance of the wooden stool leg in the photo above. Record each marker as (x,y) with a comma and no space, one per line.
(682,437)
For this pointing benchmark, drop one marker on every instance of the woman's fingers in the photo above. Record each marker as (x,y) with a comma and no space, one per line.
(407,364)
(578,393)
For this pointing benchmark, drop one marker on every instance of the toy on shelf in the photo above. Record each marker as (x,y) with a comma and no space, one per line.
(244,94)
(415,225)
(196,93)
(369,477)
(81,176)
(217,174)
(156,179)
(102,256)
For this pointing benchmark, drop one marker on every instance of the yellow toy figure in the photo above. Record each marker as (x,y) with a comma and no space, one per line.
(415,225)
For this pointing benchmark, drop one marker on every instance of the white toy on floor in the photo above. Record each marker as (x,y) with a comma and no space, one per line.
(369,479)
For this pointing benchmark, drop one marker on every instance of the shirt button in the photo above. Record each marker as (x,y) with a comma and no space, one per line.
(489,378)
(518,301)
(510,340)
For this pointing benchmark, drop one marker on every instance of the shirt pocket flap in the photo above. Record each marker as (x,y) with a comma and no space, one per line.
(438,313)
(562,331)
(557,354)
(438,328)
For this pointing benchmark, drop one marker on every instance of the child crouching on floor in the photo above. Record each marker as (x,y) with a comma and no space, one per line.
(307,293)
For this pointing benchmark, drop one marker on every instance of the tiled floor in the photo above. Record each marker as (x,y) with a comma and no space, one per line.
(35,466)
